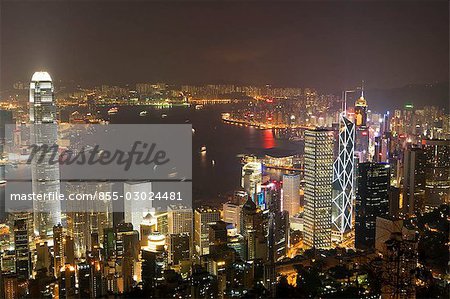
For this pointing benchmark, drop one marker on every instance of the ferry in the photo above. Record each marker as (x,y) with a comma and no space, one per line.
(143,113)
(113,110)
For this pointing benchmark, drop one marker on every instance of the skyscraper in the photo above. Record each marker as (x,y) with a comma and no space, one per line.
(136,210)
(318,178)
(232,214)
(372,201)
(22,248)
(437,172)
(203,217)
(343,179)
(291,193)
(179,220)
(361,132)
(45,176)
(414,180)
(58,249)
(252,178)
(87,217)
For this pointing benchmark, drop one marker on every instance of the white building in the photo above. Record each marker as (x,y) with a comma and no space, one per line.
(252,178)
(45,176)
(134,208)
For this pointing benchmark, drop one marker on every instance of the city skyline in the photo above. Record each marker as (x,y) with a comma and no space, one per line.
(224,149)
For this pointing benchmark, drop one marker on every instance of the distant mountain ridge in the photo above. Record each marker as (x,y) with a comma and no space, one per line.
(420,95)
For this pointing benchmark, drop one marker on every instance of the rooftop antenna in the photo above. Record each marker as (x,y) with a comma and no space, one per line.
(362,88)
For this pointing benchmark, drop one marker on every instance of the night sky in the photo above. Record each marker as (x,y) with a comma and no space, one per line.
(327,45)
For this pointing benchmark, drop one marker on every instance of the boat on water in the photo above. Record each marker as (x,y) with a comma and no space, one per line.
(198,107)
(296,138)
(203,150)
(113,110)
(2,182)
(143,113)
(163,115)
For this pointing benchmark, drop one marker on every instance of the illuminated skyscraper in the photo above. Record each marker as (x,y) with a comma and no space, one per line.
(45,176)
(343,178)
(414,162)
(291,193)
(232,214)
(362,132)
(86,217)
(58,249)
(203,217)
(252,178)
(361,111)
(179,220)
(437,172)
(22,248)
(136,210)
(318,178)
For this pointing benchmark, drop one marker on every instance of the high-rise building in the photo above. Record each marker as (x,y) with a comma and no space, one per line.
(291,193)
(43,257)
(437,172)
(254,231)
(414,181)
(6,118)
(84,280)
(45,175)
(136,210)
(69,250)
(58,249)
(66,282)
(180,220)
(22,248)
(361,111)
(121,230)
(10,286)
(217,236)
(178,247)
(203,217)
(361,131)
(252,178)
(318,178)
(232,214)
(372,201)
(343,181)
(87,217)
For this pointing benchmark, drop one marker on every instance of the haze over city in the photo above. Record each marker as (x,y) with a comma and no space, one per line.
(328,45)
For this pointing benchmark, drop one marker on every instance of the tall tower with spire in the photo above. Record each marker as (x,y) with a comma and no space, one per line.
(45,175)
(362,132)
(361,109)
